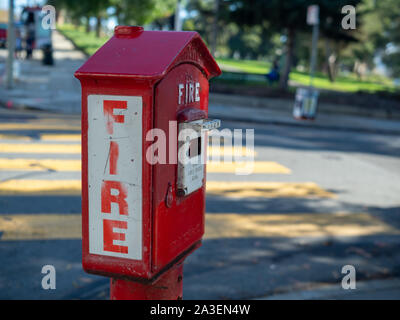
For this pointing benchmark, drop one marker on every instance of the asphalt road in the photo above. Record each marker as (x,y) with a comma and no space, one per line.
(317,200)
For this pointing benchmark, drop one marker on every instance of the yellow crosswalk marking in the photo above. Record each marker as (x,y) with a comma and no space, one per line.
(38,126)
(42,137)
(15,137)
(266,189)
(60,137)
(230,152)
(227,225)
(230,225)
(76,148)
(75,165)
(40,226)
(255,167)
(36,187)
(225,189)
(65,120)
(39,148)
(40,164)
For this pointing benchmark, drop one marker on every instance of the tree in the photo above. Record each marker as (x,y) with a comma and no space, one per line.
(335,40)
(288,16)
(78,9)
(141,12)
(378,37)
(389,40)
(202,19)
(127,12)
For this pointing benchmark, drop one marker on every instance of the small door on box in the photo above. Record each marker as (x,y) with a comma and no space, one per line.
(191,150)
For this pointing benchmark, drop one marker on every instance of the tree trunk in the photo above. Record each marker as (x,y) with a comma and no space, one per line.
(118,15)
(87,25)
(98,27)
(330,61)
(289,59)
(76,22)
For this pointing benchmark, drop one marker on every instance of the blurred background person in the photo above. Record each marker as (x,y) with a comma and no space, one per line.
(30,35)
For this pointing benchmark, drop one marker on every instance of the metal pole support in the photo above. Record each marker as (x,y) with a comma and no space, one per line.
(168,286)
(178,20)
(314,51)
(10,45)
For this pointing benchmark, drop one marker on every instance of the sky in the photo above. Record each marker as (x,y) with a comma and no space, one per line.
(19,4)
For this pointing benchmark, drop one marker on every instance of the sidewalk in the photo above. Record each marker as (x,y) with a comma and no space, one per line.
(388,289)
(51,88)
(54,88)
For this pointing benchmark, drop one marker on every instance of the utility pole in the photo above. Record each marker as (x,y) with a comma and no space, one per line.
(10,45)
(215,28)
(306,102)
(313,19)
(178,20)
(315,35)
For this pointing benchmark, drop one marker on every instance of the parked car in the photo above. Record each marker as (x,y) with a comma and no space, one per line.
(3,32)
(3,35)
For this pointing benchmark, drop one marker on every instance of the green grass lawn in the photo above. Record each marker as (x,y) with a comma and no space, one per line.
(89,43)
(348,84)
(249,66)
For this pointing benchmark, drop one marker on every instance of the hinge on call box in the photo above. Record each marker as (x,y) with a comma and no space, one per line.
(209,124)
(205,124)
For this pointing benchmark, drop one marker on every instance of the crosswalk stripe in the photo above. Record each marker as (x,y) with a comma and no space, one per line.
(229,152)
(76,148)
(38,126)
(75,165)
(37,187)
(227,225)
(40,164)
(60,137)
(42,137)
(225,189)
(15,137)
(40,226)
(230,225)
(247,167)
(39,148)
(266,189)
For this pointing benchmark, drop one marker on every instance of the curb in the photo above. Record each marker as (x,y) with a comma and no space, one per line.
(11,105)
(287,105)
(308,125)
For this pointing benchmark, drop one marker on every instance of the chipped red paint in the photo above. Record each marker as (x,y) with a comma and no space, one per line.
(169,286)
(109,107)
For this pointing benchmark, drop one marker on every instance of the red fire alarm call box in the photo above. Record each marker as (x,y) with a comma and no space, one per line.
(142,209)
